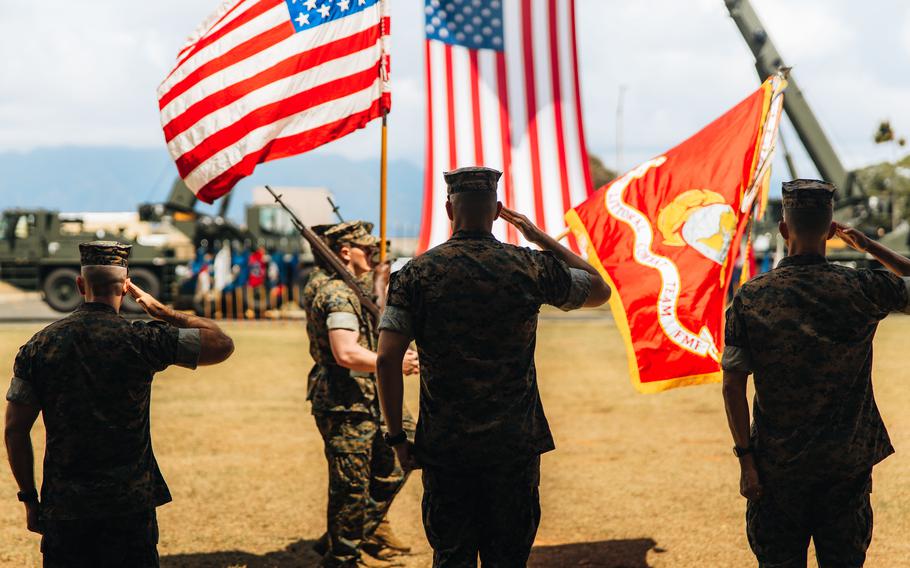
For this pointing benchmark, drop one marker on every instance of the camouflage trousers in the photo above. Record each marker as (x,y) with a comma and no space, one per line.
(364,477)
(491,512)
(835,513)
(112,542)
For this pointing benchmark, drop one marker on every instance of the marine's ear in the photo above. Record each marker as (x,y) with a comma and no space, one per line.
(831,230)
(498,210)
(80,283)
(449,210)
(784,230)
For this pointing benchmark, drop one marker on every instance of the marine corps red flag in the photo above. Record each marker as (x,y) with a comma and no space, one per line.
(666,234)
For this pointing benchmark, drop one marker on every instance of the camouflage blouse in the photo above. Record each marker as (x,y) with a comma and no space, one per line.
(91,375)
(472,304)
(805,331)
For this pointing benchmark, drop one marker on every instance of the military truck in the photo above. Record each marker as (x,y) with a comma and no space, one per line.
(39,250)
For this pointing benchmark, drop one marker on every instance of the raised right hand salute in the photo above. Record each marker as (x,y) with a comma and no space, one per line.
(600,290)
(856,240)
(215,346)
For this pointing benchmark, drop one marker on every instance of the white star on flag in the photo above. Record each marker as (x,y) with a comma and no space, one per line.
(303,19)
(344,4)
(325,10)
(310,4)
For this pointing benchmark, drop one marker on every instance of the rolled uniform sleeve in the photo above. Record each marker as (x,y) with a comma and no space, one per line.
(561,286)
(737,354)
(891,293)
(162,345)
(398,315)
(22,387)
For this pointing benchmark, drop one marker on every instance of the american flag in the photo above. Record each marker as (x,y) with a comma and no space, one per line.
(502,91)
(267,79)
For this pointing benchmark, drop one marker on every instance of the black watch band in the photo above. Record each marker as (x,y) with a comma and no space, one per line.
(398,438)
(27,496)
(740,452)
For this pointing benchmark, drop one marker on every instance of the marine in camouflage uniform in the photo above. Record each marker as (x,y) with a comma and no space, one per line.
(90,375)
(364,476)
(804,331)
(471,304)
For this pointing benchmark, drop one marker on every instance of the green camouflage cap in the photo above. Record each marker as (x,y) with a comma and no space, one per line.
(474,178)
(321,229)
(351,233)
(105,253)
(807,194)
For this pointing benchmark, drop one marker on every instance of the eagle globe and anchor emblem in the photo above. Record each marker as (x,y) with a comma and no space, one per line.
(698,218)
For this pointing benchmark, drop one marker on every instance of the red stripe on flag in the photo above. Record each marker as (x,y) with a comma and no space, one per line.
(288,146)
(450,108)
(427,218)
(253,12)
(505,130)
(557,114)
(290,66)
(475,108)
(240,52)
(531,105)
(180,58)
(273,112)
(581,125)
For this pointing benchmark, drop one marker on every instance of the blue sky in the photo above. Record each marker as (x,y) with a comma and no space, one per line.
(85,73)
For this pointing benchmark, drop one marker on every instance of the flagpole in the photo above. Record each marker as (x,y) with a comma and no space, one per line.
(383,191)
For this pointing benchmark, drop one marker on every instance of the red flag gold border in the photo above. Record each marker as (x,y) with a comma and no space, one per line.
(771,87)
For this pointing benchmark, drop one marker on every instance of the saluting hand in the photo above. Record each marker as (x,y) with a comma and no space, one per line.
(855,239)
(530,231)
(148,302)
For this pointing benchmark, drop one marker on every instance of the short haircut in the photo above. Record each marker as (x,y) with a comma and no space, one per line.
(104,281)
(809,222)
(473,203)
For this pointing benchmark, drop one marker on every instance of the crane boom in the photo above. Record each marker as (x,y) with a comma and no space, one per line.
(768,61)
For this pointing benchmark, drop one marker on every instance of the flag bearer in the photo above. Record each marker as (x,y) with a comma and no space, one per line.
(364,476)
(804,331)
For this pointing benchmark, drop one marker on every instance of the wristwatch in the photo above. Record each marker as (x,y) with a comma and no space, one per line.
(740,452)
(28,496)
(398,438)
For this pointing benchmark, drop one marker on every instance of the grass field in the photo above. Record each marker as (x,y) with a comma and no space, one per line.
(636,480)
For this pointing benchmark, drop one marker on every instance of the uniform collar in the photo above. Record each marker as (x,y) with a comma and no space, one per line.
(464,234)
(802,260)
(96,307)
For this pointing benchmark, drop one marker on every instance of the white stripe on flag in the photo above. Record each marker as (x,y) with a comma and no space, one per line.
(440,221)
(271,93)
(464,117)
(489,114)
(575,160)
(301,122)
(523,184)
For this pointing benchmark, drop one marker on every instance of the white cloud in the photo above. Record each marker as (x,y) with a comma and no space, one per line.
(86,72)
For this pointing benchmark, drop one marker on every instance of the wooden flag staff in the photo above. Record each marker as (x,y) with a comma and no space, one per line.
(383,192)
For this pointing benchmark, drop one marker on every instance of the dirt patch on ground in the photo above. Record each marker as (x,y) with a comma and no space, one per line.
(636,481)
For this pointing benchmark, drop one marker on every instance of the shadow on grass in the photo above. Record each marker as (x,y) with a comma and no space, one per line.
(631,553)
(296,555)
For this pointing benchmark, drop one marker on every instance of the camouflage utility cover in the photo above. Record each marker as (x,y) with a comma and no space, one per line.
(805,331)
(351,232)
(104,253)
(472,304)
(91,375)
(332,387)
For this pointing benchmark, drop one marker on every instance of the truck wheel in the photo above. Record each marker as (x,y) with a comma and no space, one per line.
(60,290)
(148,281)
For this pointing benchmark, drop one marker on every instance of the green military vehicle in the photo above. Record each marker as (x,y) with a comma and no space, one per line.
(39,250)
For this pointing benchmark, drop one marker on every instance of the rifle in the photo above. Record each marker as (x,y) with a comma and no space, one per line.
(321,250)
